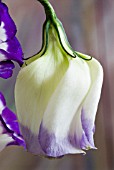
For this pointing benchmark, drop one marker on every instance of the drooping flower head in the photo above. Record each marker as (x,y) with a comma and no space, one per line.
(57,94)
(10,49)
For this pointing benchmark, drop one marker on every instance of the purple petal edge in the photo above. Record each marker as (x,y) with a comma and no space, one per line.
(10,125)
(56,146)
(9,24)
(49,144)
(33,144)
(6,69)
(31,140)
(88,132)
(12,50)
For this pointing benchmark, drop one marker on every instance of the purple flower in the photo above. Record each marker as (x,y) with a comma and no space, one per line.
(9,128)
(10,48)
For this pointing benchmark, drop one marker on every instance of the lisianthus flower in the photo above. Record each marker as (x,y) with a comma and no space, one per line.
(57,94)
(10,49)
(9,128)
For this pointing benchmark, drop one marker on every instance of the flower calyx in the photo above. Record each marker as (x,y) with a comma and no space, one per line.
(53,25)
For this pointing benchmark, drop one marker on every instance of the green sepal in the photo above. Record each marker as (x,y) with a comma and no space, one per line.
(52,22)
(83,56)
(63,38)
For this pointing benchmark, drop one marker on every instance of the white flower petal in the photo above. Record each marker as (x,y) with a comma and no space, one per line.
(3,35)
(90,104)
(34,87)
(57,136)
(5,139)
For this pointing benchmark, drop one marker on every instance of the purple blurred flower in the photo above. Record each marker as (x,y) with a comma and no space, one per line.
(9,129)
(10,48)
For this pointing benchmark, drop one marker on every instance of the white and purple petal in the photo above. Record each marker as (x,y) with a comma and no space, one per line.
(7,25)
(9,128)
(61,129)
(6,69)
(47,112)
(10,48)
(32,108)
(90,104)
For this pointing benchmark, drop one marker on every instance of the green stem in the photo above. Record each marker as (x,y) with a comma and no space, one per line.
(50,13)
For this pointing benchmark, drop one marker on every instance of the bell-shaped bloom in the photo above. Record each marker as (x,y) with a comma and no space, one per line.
(10,49)
(9,128)
(57,97)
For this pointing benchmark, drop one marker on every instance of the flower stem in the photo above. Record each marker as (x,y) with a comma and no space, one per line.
(50,13)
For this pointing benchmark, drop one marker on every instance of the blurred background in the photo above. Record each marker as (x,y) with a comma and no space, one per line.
(89,25)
